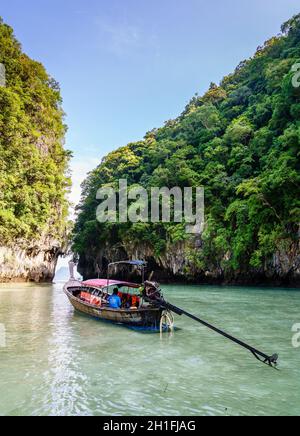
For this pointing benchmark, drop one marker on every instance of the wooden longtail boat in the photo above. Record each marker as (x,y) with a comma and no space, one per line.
(92,298)
(141,306)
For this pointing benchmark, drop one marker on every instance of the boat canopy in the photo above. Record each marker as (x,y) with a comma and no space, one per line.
(103,283)
(136,263)
(139,263)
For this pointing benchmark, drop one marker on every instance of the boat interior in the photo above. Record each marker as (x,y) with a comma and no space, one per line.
(99,297)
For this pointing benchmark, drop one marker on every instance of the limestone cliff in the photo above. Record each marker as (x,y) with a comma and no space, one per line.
(37,263)
(240,141)
(176,266)
(33,166)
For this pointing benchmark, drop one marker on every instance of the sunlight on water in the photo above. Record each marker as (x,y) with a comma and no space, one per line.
(57,362)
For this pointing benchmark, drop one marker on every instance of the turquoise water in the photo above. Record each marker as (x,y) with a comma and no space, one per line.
(57,362)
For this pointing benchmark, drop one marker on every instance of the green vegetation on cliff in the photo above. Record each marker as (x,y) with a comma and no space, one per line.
(241,141)
(33,162)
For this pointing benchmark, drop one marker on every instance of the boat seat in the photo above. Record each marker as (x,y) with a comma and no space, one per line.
(96,301)
(85,296)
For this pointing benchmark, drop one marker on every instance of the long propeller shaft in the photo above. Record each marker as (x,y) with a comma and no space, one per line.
(259,355)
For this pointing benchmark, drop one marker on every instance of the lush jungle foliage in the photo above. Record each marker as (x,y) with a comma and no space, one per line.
(241,141)
(33,162)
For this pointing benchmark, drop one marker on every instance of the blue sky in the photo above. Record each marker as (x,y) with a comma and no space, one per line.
(126,66)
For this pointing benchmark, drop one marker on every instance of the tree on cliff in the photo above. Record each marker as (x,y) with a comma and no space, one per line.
(33,162)
(241,141)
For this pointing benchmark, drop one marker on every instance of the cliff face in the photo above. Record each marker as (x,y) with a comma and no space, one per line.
(33,167)
(166,268)
(37,263)
(176,266)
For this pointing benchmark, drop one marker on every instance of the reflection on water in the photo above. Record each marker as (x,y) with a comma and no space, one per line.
(58,362)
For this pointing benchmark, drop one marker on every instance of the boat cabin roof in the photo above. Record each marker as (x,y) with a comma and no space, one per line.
(103,283)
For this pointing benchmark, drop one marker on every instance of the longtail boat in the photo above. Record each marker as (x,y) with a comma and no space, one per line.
(141,306)
(91,297)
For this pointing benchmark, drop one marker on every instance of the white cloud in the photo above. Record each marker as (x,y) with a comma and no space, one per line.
(122,37)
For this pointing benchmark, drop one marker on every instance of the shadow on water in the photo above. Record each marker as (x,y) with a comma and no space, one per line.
(139,329)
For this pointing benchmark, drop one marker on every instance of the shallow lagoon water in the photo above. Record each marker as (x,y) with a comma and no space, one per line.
(58,362)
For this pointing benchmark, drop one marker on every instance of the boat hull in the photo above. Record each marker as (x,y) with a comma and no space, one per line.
(146,318)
